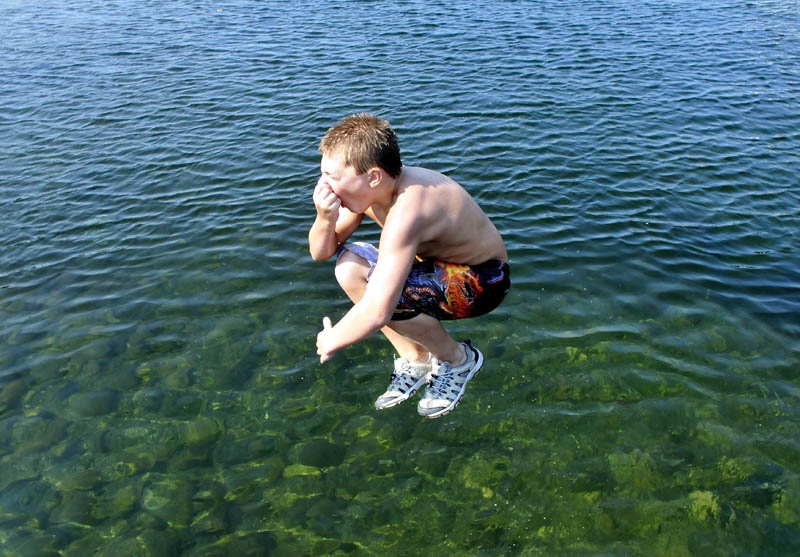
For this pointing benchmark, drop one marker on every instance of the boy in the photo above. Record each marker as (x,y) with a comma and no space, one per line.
(439,257)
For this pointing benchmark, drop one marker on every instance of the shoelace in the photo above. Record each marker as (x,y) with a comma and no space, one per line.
(441,380)
(399,382)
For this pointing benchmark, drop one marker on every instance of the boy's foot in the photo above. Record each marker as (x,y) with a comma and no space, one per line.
(406,380)
(449,383)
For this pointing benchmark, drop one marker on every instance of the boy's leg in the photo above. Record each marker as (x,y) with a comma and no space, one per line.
(414,339)
(405,347)
(428,332)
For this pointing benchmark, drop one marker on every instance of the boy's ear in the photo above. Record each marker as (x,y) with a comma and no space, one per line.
(375,176)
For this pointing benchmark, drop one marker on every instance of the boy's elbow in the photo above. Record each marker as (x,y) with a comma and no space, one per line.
(373,315)
(320,255)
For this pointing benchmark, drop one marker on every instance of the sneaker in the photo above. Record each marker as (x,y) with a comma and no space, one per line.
(449,383)
(406,380)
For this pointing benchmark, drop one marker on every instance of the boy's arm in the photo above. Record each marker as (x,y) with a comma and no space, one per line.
(398,248)
(333,225)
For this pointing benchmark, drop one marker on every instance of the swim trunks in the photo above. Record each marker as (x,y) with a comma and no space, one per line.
(443,290)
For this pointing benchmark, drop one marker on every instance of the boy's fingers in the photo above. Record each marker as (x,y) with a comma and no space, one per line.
(326,323)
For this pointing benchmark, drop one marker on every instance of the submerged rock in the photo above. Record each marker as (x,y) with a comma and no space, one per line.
(143,437)
(71,476)
(484,474)
(245,450)
(11,393)
(322,517)
(145,543)
(319,453)
(97,403)
(703,506)
(16,470)
(786,504)
(635,469)
(201,431)
(29,542)
(36,433)
(117,501)
(25,500)
(295,470)
(148,400)
(256,543)
(716,436)
(169,500)
(210,521)
(74,507)
(245,483)
(736,469)
(179,379)
(359,426)
(186,406)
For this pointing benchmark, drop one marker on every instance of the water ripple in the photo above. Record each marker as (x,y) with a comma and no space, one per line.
(640,159)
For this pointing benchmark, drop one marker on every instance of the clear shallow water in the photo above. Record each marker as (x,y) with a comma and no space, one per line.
(159,392)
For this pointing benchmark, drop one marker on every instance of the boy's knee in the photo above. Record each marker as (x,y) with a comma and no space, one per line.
(351,269)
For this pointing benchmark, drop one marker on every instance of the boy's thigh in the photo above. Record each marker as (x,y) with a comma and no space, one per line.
(449,291)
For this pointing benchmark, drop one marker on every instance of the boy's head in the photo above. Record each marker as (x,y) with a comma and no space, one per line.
(364,141)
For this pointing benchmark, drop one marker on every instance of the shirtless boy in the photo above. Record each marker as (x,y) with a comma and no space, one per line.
(439,258)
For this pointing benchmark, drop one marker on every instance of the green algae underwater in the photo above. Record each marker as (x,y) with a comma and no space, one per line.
(560,446)
(159,392)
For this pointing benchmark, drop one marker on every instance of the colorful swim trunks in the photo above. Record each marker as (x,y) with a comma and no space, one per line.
(444,290)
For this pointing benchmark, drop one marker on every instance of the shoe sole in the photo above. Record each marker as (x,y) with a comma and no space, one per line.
(450,407)
(414,388)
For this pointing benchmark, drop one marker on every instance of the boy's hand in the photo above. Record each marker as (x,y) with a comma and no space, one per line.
(326,202)
(323,351)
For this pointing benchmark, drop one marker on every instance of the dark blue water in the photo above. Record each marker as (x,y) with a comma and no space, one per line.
(159,391)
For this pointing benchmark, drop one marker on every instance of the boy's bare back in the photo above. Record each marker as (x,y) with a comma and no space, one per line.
(450,225)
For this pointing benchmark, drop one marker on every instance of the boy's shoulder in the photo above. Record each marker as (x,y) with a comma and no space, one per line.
(420,176)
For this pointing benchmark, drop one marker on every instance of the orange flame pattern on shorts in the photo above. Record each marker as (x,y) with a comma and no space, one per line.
(463,286)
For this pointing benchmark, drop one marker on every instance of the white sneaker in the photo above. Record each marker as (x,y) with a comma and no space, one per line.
(449,383)
(406,380)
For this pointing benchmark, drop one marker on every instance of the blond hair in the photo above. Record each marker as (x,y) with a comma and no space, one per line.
(364,141)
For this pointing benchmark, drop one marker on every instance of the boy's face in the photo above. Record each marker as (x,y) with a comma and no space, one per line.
(348,186)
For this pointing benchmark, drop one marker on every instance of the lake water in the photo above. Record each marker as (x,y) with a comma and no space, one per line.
(159,390)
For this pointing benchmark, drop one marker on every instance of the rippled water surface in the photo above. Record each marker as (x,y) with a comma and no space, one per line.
(159,392)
